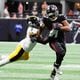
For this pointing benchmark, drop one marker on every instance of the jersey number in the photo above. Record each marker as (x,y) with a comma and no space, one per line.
(55,33)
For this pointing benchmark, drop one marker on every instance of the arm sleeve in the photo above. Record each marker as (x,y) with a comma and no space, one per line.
(62,18)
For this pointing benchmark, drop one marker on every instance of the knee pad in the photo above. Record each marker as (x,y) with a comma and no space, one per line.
(63,52)
(60,56)
(25,56)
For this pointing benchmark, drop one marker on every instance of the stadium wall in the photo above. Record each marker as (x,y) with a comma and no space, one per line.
(12,30)
(15,30)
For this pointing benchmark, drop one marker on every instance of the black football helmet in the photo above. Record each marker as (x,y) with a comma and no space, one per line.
(33,21)
(52,12)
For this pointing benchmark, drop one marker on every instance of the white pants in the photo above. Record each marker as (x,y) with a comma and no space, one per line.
(27,44)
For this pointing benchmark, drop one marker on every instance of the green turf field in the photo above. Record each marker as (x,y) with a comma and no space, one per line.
(39,66)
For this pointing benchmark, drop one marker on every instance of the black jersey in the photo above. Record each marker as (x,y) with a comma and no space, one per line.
(59,34)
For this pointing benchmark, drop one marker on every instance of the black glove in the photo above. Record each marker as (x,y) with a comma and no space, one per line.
(33,39)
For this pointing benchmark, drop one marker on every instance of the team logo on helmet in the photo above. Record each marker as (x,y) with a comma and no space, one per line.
(52,12)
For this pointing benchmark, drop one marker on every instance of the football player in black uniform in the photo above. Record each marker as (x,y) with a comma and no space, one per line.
(57,25)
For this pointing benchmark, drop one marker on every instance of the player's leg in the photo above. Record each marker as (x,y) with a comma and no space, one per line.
(17,53)
(60,50)
(25,56)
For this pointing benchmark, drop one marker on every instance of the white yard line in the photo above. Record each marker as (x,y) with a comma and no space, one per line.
(71,66)
(67,66)
(41,66)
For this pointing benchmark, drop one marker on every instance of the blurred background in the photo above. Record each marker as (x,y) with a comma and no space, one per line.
(13,14)
(13,26)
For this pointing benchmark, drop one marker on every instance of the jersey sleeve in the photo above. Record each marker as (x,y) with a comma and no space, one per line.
(62,18)
(47,22)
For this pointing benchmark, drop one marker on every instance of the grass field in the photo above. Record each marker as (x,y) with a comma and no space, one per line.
(40,64)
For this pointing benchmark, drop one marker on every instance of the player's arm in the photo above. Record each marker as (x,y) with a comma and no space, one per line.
(65,26)
(34,27)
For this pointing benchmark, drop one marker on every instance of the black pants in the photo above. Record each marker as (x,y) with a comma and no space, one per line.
(60,49)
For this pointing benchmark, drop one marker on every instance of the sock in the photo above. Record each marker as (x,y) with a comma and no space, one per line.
(4,61)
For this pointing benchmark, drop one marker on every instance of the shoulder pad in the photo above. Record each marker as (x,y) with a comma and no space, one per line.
(61,14)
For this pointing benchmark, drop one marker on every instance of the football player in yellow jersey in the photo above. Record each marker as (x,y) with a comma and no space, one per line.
(26,45)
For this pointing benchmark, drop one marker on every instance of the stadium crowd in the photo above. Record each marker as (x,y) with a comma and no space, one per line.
(19,10)
(54,24)
(22,10)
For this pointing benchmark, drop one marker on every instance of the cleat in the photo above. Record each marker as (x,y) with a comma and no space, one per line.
(56,77)
(2,57)
(58,71)
(55,74)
